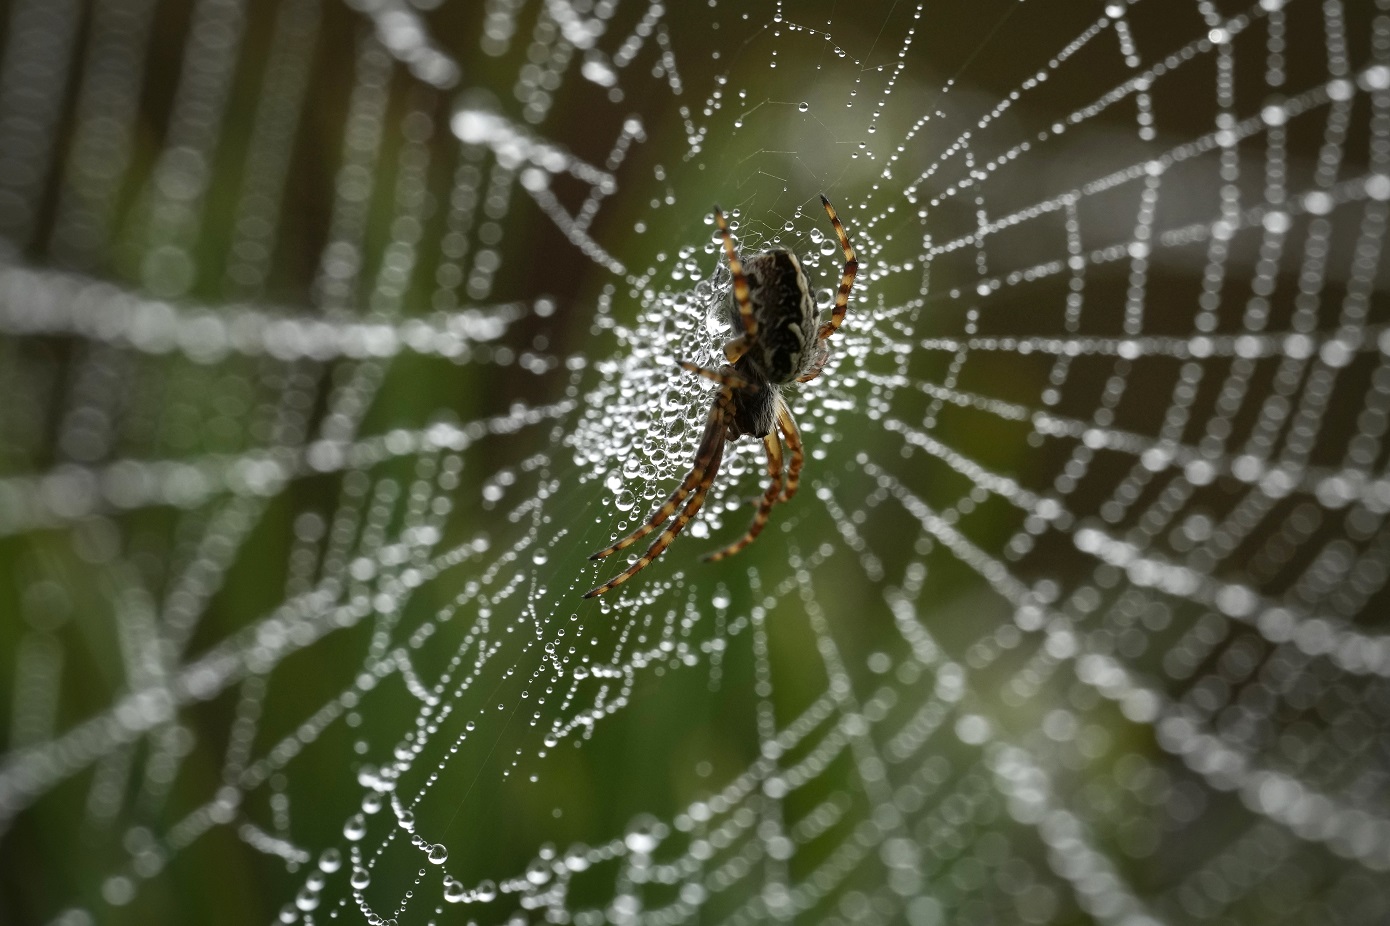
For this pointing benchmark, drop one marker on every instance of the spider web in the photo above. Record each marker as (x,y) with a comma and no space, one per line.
(335,336)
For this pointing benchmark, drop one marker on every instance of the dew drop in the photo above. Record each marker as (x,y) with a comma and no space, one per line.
(438,854)
(355,827)
(538,873)
(642,836)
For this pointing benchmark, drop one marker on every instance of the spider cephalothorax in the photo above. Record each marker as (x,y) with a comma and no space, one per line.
(778,341)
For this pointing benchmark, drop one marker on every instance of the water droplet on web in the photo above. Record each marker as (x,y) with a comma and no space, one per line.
(454,891)
(538,873)
(438,854)
(804,106)
(486,891)
(307,900)
(644,834)
(355,827)
(360,878)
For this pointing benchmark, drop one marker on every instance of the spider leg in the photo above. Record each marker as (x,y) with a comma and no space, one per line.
(798,453)
(846,281)
(745,307)
(663,540)
(711,443)
(770,498)
(818,361)
(727,376)
(736,348)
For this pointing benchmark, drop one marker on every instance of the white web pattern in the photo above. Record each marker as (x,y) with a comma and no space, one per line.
(334,336)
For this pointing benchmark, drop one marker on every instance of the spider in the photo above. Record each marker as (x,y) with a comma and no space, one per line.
(778,341)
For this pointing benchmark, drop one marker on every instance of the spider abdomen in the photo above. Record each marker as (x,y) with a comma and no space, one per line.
(786,316)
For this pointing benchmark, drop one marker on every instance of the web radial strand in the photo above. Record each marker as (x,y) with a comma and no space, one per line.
(335,337)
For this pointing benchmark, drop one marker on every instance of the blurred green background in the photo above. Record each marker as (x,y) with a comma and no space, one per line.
(319,394)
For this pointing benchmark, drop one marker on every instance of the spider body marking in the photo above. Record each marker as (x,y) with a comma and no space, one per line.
(777,341)
(785,346)
(785,314)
